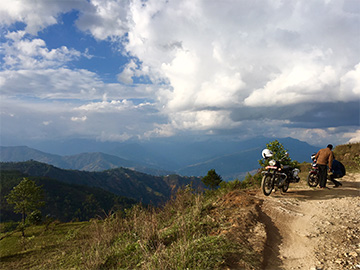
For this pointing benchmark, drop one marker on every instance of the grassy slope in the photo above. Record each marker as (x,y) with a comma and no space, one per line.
(190,231)
(55,246)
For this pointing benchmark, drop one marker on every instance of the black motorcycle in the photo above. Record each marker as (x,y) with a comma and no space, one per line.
(278,176)
(313,176)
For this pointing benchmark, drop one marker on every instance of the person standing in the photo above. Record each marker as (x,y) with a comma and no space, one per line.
(324,159)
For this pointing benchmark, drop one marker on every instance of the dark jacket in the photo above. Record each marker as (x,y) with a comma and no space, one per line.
(338,169)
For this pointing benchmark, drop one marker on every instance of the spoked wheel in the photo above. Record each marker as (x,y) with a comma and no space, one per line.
(285,187)
(313,179)
(266,185)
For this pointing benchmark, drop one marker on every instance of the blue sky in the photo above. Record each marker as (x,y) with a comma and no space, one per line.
(114,70)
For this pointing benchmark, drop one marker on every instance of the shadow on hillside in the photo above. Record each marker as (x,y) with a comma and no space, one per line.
(273,240)
(348,189)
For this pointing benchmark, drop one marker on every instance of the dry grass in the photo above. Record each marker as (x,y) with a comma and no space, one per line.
(175,236)
(349,155)
(184,233)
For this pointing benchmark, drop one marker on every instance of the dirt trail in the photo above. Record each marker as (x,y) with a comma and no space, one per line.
(309,228)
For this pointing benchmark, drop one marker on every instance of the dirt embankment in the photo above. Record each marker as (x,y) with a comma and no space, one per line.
(309,228)
(304,228)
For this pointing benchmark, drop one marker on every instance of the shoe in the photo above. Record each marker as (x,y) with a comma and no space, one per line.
(336,186)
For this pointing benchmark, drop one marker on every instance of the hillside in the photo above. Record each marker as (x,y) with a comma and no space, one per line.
(123,182)
(233,227)
(349,155)
(63,202)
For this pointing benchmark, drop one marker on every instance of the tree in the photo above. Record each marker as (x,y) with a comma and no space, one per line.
(279,153)
(212,179)
(26,197)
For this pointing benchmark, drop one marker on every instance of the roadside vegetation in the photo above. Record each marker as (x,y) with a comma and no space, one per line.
(181,234)
(349,155)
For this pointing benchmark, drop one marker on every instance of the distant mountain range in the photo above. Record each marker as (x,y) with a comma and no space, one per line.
(230,159)
(84,161)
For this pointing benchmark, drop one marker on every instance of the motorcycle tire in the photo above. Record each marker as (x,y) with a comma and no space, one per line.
(285,187)
(266,185)
(312,180)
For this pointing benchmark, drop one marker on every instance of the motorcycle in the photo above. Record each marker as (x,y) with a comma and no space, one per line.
(277,175)
(313,176)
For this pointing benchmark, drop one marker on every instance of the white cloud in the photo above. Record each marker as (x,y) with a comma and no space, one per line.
(129,71)
(51,84)
(66,84)
(46,123)
(350,83)
(105,19)
(113,137)
(300,84)
(243,53)
(36,14)
(105,106)
(354,137)
(79,119)
(23,53)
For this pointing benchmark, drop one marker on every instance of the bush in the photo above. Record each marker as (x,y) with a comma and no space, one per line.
(34,218)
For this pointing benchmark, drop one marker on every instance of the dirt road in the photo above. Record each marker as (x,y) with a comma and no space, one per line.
(309,228)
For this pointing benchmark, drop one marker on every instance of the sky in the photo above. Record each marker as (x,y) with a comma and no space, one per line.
(116,70)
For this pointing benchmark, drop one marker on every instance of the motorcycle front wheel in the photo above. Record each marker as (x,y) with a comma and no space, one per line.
(313,179)
(285,187)
(266,185)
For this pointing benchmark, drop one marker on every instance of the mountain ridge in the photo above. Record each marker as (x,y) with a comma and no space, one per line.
(95,161)
(231,159)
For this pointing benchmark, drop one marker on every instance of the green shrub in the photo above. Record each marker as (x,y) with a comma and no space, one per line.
(34,218)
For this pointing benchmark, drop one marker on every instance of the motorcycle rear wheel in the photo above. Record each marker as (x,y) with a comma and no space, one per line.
(313,179)
(266,185)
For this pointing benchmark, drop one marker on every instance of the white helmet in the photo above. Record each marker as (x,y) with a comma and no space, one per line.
(266,153)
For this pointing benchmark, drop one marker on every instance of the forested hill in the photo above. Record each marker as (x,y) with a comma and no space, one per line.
(63,202)
(123,182)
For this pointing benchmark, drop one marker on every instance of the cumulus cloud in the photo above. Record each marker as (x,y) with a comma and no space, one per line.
(219,57)
(37,14)
(23,53)
(105,19)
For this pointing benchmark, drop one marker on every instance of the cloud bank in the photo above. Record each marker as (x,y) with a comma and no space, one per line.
(279,68)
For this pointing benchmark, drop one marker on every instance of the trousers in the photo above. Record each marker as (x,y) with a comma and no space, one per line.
(322,175)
